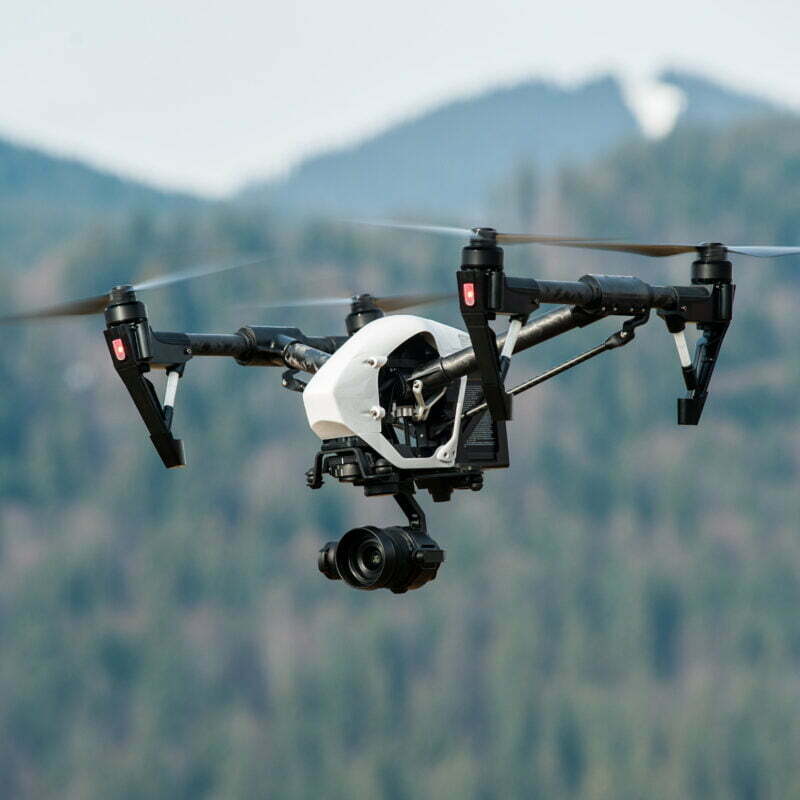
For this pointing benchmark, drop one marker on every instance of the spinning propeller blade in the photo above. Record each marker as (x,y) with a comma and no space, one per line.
(388,304)
(764,251)
(400,301)
(470,233)
(646,249)
(74,308)
(194,272)
(652,250)
(98,303)
(410,226)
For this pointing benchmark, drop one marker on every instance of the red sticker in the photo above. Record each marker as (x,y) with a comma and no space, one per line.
(119,349)
(468,290)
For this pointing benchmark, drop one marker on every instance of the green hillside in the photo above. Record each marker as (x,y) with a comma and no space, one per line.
(617,616)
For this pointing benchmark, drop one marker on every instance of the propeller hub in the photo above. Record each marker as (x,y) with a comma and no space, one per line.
(361,302)
(123,306)
(362,311)
(484,235)
(123,293)
(482,251)
(712,251)
(712,265)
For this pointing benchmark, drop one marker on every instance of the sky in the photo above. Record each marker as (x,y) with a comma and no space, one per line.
(204,96)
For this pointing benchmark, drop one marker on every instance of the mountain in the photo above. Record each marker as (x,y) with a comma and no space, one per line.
(697,184)
(709,103)
(457,160)
(447,161)
(45,199)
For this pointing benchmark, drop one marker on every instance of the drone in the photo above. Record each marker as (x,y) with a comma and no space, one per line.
(404,403)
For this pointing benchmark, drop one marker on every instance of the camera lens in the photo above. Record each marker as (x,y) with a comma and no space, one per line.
(366,557)
(367,560)
(371,558)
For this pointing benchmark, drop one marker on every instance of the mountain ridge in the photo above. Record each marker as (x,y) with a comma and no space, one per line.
(455,161)
(405,167)
(435,163)
(46,198)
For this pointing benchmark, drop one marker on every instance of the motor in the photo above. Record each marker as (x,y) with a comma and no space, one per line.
(371,558)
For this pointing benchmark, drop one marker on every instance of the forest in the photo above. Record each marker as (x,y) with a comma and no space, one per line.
(617,616)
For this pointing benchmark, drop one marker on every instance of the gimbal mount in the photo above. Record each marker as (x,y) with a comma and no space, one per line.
(395,558)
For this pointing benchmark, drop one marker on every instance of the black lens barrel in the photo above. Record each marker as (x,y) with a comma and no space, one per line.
(370,558)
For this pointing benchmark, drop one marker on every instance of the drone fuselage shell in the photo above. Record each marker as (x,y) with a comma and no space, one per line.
(342,398)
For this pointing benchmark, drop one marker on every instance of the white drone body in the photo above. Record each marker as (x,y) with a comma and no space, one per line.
(342,398)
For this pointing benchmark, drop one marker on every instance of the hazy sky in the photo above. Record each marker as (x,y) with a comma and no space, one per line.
(203,95)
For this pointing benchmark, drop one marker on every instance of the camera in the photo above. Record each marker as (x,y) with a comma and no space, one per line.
(371,558)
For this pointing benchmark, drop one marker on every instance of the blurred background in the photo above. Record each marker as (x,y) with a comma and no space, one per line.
(617,616)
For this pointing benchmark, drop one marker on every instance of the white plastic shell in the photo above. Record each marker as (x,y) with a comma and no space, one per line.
(342,398)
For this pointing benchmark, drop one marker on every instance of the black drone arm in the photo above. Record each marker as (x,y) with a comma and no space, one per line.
(447,369)
(136,349)
(708,347)
(126,344)
(713,319)
(485,291)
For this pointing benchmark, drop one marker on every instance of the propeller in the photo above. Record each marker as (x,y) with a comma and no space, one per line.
(410,226)
(487,234)
(387,304)
(763,251)
(98,303)
(652,250)
(660,250)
